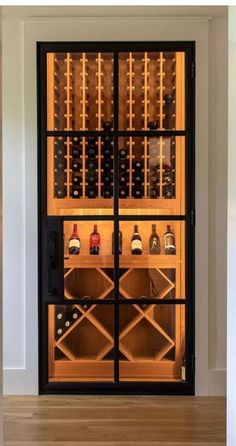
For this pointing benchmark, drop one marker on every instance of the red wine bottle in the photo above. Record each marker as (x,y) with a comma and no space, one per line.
(74,242)
(169,239)
(120,243)
(95,241)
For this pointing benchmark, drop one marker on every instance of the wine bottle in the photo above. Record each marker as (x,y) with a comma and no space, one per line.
(76,152)
(107,126)
(92,165)
(138,179)
(154,242)
(60,193)
(94,242)
(74,242)
(76,166)
(120,243)
(86,306)
(91,152)
(107,140)
(107,179)
(92,192)
(137,165)
(136,242)
(60,165)
(75,140)
(107,152)
(123,167)
(153,125)
(122,180)
(169,239)
(137,191)
(76,180)
(153,193)
(91,179)
(123,153)
(91,140)
(123,192)
(76,193)
(107,192)
(108,165)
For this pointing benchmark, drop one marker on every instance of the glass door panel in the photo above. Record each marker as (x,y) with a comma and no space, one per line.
(81,343)
(88,260)
(152,263)
(151,90)
(152,343)
(79,91)
(80,175)
(152,175)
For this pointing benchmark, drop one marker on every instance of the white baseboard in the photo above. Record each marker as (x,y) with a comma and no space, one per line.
(14,382)
(217,382)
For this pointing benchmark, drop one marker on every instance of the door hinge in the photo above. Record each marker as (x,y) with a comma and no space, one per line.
(193,217)
(193,70)
(193,361)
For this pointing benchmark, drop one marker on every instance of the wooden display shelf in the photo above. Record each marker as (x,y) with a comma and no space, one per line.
(143,261)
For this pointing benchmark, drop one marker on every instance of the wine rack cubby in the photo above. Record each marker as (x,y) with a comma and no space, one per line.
(117,216)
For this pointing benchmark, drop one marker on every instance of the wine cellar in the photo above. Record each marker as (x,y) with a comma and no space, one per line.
(116,199)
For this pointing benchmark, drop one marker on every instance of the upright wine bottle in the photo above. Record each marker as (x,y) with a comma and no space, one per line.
(95,241)
(120,243)
(154,242)
(74,242)
(169,239)
(136,242)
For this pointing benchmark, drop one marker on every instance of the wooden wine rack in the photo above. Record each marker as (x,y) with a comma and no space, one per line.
(149,347)
(151,88)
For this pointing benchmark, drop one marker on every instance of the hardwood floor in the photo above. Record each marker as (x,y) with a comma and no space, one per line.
(114,421)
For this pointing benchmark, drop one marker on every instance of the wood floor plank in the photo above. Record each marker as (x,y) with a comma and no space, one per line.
(114,421)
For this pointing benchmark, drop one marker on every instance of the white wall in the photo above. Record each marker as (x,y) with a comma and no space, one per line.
(231,246)
(21,30)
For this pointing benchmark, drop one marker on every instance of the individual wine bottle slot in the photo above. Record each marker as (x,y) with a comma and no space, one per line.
(75,140)
(92,192)
(76,180)
(123,192)
(76,151)
(107,165)
(92,165)
(91,179)
(76,166)
(154,242)
(136,242)
(123,180)
(94,241)
(123,154)
(91,140)
(120,243)
(107,126)
(74,242)
(107,192)
(107,179)
(169,239)
(123,167)
(60,165)
(138,179)
(137,191)
(60,192)
(154,193)
(76,192)
(91,152)
(107,152)
(138,166)
(86,306)
(107,141)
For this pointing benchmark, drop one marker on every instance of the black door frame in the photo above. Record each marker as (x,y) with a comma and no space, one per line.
(48,225)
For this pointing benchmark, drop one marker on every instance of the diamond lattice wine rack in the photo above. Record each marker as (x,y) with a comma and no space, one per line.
(116,126)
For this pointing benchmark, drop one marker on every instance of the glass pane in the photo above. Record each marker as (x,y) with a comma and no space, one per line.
(88,260)
(152,343)
(81,343)
(152,175)
(79,90)
(152,260)
(151,91)
(80,175)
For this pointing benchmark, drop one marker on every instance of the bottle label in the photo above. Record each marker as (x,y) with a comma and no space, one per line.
(136,244)
(74,243)
(169,241)
(94,240)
